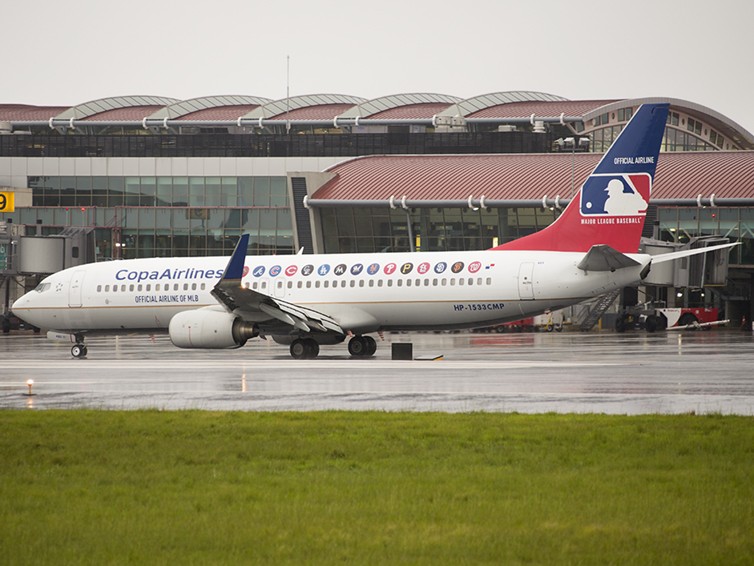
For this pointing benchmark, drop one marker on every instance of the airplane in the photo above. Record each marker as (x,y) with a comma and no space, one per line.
(306,301)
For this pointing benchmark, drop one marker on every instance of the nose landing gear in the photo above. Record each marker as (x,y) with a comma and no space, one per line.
(79,349)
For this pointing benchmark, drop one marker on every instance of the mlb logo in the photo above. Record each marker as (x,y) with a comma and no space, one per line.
(616,195)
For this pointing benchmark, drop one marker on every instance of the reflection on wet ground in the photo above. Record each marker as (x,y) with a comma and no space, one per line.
(635,373)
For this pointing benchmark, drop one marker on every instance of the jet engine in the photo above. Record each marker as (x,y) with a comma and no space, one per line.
(210,329)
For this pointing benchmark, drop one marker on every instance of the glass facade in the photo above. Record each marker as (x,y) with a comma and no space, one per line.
(164,216)
(351,230)
(221,144)
(674,140)
(681,224)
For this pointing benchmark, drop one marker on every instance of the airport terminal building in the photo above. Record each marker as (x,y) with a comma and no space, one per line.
(152,176)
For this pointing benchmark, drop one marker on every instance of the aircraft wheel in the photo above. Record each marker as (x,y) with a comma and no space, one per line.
(312,348)
(304,349)
(299,350)
(651,323)
(79,351)
(371,345)
(357,346)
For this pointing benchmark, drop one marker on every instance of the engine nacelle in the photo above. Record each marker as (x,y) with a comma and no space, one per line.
(210,329)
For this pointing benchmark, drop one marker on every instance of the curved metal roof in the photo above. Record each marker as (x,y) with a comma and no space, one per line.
(193,106)
(310,101)
(725,126)
(500,106)
(539,108)
(726,174)
(381,106)
(94,107)
(471,105)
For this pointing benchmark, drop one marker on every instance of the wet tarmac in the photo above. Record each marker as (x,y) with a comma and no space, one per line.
(633,373)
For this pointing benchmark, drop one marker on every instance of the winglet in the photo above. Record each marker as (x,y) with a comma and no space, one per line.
(234,270)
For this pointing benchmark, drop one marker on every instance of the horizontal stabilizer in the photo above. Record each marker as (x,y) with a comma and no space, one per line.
(660,258)
(605,258)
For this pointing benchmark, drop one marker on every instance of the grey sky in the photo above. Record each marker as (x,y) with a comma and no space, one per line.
(72,51)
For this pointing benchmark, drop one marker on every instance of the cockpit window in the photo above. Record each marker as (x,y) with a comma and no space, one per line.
(42,287)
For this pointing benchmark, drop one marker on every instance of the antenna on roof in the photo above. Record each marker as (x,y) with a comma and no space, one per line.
(287,93)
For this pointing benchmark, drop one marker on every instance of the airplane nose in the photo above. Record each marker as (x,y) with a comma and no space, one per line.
(21,308)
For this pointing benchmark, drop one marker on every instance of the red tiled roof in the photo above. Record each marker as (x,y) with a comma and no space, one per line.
(220,112)
(528,176)
(25,112)
(410,111)
(125,113)
(526,109)
(319,112)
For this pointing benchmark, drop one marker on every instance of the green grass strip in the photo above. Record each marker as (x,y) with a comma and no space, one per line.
(151,487)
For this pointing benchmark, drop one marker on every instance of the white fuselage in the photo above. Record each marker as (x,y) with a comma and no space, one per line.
(363,292)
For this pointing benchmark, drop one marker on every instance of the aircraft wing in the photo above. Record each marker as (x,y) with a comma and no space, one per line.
(236,298)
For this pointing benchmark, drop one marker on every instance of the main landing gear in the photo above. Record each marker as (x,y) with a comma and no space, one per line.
(304,349)
(362,346)
(79,350)
(308,348)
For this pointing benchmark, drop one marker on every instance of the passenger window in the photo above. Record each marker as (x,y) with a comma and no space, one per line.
(361,283)
(489,281)
(138,288)
(400,283)
(131,288)
(308,284)
(389,282)
(408,282)
(452,282)
(379,282)
(107,288)
(371,282)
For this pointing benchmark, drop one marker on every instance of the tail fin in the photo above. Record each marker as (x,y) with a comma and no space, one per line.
(612,203)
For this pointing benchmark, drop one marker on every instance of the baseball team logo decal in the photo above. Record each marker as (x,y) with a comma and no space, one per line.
(616,195)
